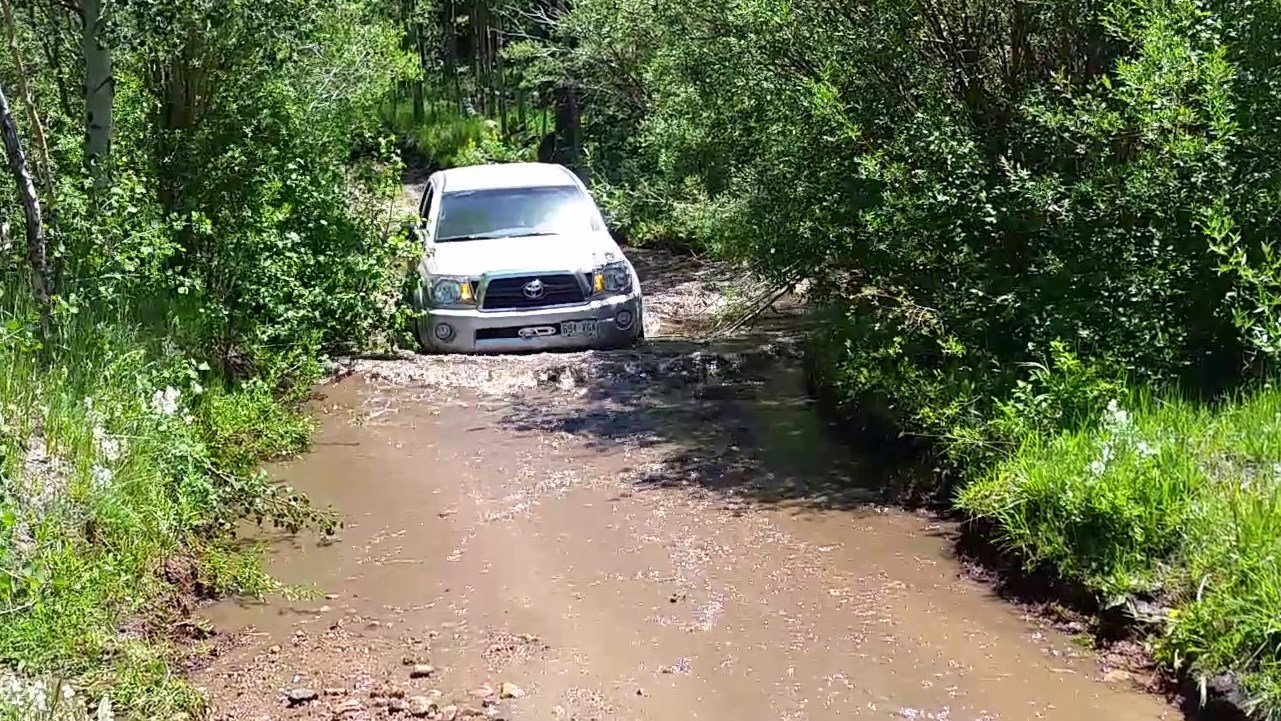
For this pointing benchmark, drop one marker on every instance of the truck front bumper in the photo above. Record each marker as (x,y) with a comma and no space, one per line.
(618,322)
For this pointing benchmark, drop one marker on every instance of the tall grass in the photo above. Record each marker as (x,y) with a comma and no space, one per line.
(1163,500)
(447,137)
(112,483)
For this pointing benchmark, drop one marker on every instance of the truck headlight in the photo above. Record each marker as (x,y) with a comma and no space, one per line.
(612,278)
(447,291)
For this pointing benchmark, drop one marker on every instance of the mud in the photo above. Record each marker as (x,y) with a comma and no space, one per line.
(666,533)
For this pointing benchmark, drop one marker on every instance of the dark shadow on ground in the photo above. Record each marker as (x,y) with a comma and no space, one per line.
(661,271)
(718,418)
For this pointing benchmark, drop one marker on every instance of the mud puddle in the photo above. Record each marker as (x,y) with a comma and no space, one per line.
(624,536)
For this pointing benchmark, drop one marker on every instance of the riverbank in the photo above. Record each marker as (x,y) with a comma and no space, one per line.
(1149,528)
(124,473)
(1167,510)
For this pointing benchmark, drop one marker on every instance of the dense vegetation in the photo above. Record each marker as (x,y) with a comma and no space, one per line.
(1041,235)
(188,228)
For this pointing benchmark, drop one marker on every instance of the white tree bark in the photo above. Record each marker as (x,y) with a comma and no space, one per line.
(37,252)
(100,91)
(44,165)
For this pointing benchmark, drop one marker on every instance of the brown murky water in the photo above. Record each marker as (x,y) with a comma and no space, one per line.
(628,545)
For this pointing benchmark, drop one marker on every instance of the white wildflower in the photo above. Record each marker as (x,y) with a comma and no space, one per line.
(107,446)
(30,696)
(1145,450)
(101,477)
(166,402)
(1117,417)
(1097,467)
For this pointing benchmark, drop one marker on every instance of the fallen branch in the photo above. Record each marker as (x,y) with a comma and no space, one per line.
(758,304)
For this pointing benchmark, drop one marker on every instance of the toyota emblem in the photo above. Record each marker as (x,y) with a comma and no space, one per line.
(534,289)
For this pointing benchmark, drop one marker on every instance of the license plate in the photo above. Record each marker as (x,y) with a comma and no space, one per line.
(578,329)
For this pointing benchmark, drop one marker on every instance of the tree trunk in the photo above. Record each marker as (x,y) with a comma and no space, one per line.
(100,92)
(417,91)
(450,35)
(501,83)
(568,122)
(420,78)
(51,43)
(44,166)
(521,119)
(477,95)
(37,252)
(179,94)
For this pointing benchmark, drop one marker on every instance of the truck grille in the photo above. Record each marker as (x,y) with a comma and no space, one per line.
(509,293)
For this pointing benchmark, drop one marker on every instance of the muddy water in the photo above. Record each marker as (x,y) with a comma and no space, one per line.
(636,549)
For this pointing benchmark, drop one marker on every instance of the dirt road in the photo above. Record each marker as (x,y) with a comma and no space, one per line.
(631,536)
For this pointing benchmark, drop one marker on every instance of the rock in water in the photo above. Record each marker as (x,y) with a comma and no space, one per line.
(510,690)
(422,670)
(301,696)
(420,706)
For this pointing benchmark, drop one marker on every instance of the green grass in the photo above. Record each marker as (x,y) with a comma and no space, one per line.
(449,138)
(1169,500)
(107,479)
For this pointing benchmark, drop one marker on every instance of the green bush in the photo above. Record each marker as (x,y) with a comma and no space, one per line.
(1162,499)
(1074,195)
(448,138)
(113,469)
(1011,213)
(232,237)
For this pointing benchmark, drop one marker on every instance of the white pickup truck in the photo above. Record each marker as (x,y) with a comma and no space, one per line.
(517,257)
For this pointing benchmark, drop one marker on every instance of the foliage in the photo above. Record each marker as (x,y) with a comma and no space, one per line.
(239,229)
(446,138)
(113,472)
(1012,213)
(1163,499)
(997,192)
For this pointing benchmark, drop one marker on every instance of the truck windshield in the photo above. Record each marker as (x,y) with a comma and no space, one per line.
(513,212)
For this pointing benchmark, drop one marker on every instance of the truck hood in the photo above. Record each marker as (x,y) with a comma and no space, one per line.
(533,254)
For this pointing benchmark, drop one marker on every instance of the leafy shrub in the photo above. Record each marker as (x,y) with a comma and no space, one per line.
(447,138)
(1161,500)
(1008,226)
(231,237)
(1070,196)
(113,467)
